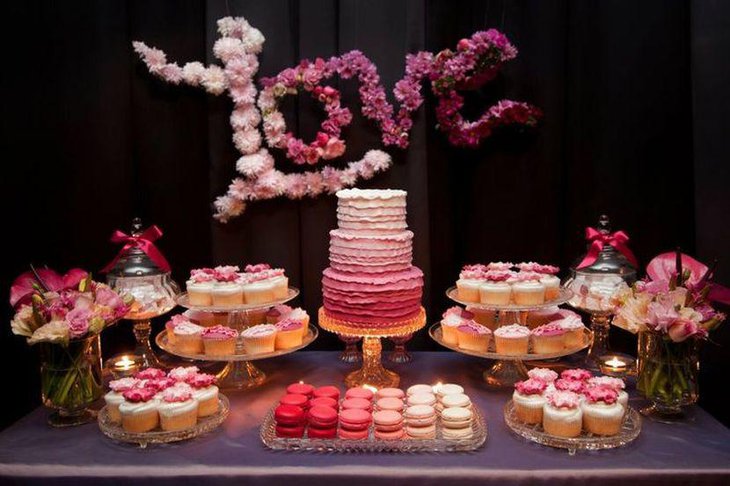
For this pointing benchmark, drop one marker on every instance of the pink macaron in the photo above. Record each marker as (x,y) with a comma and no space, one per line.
(327,391)
(390,403)
(358,403)
(390,393)
(354,419)
(359,392)
(324,402)
(352,434)
(390,435)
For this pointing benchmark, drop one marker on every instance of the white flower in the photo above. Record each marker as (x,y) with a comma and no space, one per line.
(53,332)
(228,207)
(247,141)
(228,48)
(378,160)
(267,102)
(214,80)
(253,40)
(22,323)
(245,118)
(193,72)
(255,164)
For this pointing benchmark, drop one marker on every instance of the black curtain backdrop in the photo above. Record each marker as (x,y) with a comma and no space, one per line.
(635,100)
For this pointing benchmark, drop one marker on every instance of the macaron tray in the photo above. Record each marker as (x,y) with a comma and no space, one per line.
(422,419)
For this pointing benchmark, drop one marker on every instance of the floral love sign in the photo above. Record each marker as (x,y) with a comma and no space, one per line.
(476,61)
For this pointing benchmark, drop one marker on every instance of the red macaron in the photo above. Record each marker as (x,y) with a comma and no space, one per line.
(289,415)
(290,432)
(322,417)
(324,402)
(299,400)
(325,433)
(327,391)
(300,389)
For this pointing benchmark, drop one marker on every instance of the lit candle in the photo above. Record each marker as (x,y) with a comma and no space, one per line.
(370,387)
(437,387)
(616,365)
(123,365)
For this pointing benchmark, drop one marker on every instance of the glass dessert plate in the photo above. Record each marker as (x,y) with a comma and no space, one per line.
(204,425)
(371,444)
(630,429)
(564,296)
(184,301)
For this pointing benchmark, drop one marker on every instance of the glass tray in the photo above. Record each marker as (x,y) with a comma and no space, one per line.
(204,425)
(435,333)
(630,430)
(240,355)
(439,444)
(564,296)
(182,300)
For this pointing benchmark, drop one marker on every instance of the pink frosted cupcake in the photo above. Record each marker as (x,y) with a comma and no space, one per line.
(543,374)
(578,374)
(182,373)
(300,315)
(473,337)
(277,313)
(115,397)
(574,386)
(139,410)
(500,266)
(616,384)
(259,339)
(200,286)
(150,374)
(171,324)
(288,334)
(219,340)
(574,329)
(205,393)
(548,338)
(470,279)
(529,400)
(450,321)
(177,408)
(187,338)
(512,340)
(602,414)
(562,415)
(263,272)
(227,291)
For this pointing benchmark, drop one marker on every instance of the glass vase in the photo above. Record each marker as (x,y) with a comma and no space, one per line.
(667,374)
(71,380)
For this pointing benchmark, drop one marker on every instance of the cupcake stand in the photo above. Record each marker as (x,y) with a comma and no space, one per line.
(240,373)
(509,369)
(372,372)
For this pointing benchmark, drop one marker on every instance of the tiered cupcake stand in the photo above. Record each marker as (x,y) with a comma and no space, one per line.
(508,369)
(240,373)
(372,372)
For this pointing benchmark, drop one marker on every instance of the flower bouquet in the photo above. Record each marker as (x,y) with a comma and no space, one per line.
(64,315)
(672,313)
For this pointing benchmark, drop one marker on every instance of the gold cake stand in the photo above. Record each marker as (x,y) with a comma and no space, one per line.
(372,372)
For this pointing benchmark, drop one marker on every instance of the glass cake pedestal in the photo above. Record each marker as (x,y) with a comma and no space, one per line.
(509,369)
(372,373)
(240,373)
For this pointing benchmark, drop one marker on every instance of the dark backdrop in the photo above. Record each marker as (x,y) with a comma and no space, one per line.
(635,99)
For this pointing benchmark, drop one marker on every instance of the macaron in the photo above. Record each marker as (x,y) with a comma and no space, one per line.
(355,419)
(353,434)
(322,417)
(422,399)
(321,433)
(390,403)
(424,432)
(299,400)
(359,392)
(387,420)
(389,393)
(289,432)
(289,415)
(456,434)
(324,402)
(400,433)
(456,418)
(420,415)
(300,389)
(359,403)
(448,389)
(456,400)
(412,390)
(327,391)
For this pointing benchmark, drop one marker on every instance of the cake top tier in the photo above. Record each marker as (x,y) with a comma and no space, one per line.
(370,193)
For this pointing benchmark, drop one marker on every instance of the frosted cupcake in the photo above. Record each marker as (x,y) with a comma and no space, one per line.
(552,286)
(115,397)
(187,338)
(543,374)
(616,384)
(200,286)
(473,337)
(578,374)
(528,292)
(529,401)
(288,334)
(139,410)
(277,313)
(500,266)
(602,414)
(205,392)
(573,326)
(488,318)
(512,340)
(449,324)
(548,338)
(263,272)
(470,279)
(182,373)
(258,291)
(219,340)
(562,415)
(574,386)
(259,339)
(543,316)
(170,326)
(495,293)
(300,315)
(177,408)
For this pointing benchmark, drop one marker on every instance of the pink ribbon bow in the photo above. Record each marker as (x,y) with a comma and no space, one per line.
(617,239)
(144,241)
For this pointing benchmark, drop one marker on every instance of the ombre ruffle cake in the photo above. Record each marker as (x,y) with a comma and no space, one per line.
(371,278)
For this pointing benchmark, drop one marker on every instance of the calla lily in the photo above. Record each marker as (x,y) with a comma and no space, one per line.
(664,267)
(26,284)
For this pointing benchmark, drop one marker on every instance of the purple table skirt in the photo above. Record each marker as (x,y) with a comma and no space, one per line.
(697,452)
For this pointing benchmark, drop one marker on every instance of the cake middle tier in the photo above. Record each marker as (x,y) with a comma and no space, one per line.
(365,240)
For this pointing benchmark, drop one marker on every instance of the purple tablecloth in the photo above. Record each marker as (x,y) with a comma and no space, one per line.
(697,452)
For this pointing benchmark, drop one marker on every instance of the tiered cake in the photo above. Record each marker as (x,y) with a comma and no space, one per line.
(371,280)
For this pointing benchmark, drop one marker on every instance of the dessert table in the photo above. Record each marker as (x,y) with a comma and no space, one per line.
(696,452)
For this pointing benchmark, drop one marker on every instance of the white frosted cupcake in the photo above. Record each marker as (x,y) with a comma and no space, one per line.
(258,292)
(528,292)
(259,339)
(139,410)
(543,374)
(468,289)
(182,373)
(115,397)
(616,384)
(529,400)
(548,338)
(574,329)
(205,392)
(512,340)
(300,315)
(562,415)
(187,338)
(552,286)
(200,286)
(227,294)
(495,293)
(602,414)
(450,320)
(177,408)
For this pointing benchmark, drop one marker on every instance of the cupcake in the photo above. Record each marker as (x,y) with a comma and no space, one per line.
(500,266)
(495,293)
(227,290)
(150,374)
(562,415)
(543,316)
(574,386)
(512,340)
(470,279)
(177,408)
(219,340)
(139,410)
(170,326)
(258,292)
(259,339)
(528,292)
(602,414)
(115,397)
(488,318)
(300,315)
(449,324)
(548,338)
(204,392)
(552,286)
(617,384)
(182,373)
(578,374)
(288,334)
(573,326)
(263,272)
(200,286)
(187,338)
(473,337)
(277,313)
(529,400)
(543,374)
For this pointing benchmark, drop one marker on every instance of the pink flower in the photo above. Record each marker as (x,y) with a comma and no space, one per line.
(23,286)
(78,322)
(107,297)
(682,329)
(334,148)
(661,314)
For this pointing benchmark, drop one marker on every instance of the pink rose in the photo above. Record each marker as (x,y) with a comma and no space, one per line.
(78,322)
(334,148)
(661,314)
(682,329)
(107,297)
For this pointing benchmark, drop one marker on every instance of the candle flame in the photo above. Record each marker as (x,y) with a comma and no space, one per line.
(370,387)
(615,363)
(124,363)
(437,387)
